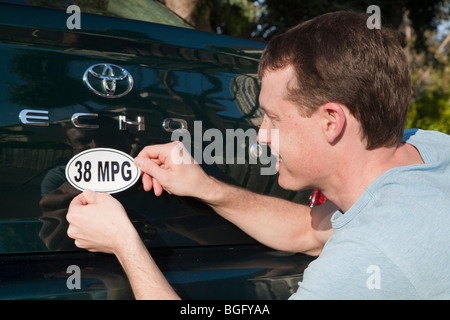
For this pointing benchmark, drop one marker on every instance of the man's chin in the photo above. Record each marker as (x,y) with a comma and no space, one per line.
(284,183)
(289,183)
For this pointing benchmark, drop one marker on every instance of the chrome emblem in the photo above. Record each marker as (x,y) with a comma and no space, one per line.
(108,80)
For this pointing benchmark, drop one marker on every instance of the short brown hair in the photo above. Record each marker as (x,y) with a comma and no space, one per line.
(337,58)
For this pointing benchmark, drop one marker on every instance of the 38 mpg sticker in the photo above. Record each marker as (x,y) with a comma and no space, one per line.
(102,170)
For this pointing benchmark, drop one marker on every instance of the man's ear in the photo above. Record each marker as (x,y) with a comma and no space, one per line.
(334,122)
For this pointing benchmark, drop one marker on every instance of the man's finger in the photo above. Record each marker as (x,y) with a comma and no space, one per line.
(147,182)
(155,152)
(149,167)
(157,188)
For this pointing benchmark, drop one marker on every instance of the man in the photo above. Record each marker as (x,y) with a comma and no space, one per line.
(338,94)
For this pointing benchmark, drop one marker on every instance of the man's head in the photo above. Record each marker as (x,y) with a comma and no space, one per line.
(336,58)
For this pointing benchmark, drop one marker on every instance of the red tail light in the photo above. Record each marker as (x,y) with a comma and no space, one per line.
(316,198)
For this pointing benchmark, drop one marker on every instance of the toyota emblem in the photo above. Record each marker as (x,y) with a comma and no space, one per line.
(108,80)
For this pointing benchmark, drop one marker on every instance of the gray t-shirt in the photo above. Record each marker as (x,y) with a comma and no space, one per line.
(394,242)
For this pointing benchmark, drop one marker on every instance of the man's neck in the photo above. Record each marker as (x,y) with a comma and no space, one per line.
(358,170)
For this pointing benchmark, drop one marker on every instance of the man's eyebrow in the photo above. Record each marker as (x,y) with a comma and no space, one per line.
(261,106)
(267,112)
(263,110)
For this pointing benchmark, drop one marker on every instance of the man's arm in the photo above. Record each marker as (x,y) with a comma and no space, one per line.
(277,223)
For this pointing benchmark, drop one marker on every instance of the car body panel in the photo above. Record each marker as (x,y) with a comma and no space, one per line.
(178,73)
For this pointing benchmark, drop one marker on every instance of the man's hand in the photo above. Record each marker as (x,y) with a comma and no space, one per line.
(170,167)
(98,222)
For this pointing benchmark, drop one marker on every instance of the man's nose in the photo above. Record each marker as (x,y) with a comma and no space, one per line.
(263,132)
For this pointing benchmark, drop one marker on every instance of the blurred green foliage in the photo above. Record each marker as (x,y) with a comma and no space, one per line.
(430,75)
(430,108)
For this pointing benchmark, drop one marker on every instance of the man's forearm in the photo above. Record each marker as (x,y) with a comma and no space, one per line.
(277,223)
(146,279)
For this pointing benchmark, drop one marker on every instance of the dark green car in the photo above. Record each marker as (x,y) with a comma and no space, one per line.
(121,75)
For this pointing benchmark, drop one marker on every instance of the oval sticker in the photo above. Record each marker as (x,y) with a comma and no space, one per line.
(102,170)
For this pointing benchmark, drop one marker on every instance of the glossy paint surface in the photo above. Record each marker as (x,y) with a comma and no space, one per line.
(178,73)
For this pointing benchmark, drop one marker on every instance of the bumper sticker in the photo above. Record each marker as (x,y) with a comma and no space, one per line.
(102,170)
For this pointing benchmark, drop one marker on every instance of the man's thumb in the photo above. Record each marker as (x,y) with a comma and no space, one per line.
(89,196)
